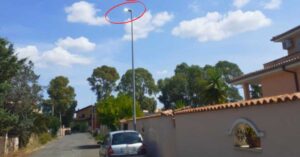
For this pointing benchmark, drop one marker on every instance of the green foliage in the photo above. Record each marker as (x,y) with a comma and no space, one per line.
(69,114)
(179,104)
(100,137)
(7,121)
(256,91)
(9,66)
(194,86)
(79,126)
(185,86)
(40,123)
(9,63)
(103,81)
(53,125)
(21,99)
(145,88)
(61,94)
(112,110)
(215,90)
(44,138)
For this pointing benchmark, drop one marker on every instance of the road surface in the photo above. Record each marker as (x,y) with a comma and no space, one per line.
(75,145)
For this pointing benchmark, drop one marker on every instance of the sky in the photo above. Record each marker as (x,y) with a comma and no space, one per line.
(72,37)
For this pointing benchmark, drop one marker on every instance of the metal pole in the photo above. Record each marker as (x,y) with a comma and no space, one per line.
(133,73)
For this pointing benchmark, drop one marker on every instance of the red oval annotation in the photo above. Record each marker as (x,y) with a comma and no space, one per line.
(122,4)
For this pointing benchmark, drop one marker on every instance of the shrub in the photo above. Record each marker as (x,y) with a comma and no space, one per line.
(54,125)
(44,138)
(79,127)
(99,137)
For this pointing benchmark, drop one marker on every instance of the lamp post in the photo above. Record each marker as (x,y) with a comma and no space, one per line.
(133,69)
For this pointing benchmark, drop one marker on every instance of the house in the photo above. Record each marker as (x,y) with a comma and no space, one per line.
(88,114)
(280,76)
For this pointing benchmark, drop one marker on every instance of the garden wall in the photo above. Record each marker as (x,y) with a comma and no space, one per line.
(207,133)
(8,145)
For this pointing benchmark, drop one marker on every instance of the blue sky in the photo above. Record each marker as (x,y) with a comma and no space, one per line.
(71,38)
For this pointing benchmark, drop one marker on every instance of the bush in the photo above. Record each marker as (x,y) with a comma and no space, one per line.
(99,137)
(44,138)
(79,127)
(54,125)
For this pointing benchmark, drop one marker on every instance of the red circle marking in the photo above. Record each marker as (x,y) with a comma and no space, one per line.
(121,4)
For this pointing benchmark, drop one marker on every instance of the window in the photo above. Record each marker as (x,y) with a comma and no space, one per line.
(126,138)
(246,135)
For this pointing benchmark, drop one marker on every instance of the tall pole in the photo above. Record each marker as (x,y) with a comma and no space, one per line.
(133,73)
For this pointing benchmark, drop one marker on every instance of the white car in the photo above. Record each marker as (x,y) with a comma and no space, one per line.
(122,144)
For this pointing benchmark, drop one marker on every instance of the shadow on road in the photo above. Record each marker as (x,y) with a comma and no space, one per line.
(93,146)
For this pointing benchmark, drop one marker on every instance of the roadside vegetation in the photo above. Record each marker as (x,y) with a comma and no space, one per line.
(21,100)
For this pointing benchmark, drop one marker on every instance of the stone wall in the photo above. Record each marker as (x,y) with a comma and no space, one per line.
(8,145)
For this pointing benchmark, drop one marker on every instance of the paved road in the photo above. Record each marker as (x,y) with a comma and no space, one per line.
(75,145)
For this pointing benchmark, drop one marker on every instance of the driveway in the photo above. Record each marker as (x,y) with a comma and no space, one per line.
(75,145)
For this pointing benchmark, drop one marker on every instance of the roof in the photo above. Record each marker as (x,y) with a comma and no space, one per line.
(121,131)
(234,105)
(286,34)
(274,68)
(84,108)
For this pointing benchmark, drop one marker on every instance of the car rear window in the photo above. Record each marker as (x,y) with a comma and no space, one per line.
(126,138)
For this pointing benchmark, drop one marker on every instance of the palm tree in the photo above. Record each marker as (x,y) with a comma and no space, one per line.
(215,90)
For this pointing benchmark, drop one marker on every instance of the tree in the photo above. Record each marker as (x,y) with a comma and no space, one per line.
(183,88)
(7,121)
(103,81)
(9,66)
(215,90)
(68,116)
(113,109)
(229,71)
(23,98)
(25,93)
(145,87)
(61,95)
(190,83)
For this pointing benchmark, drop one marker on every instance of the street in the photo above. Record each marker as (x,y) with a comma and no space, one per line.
(75,145)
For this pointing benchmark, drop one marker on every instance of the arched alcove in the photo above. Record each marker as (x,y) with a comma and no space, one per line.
(245,134)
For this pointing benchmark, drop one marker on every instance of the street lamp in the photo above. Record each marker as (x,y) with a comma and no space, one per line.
(133,70)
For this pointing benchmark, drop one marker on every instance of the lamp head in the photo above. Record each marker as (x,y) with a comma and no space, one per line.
(127,10)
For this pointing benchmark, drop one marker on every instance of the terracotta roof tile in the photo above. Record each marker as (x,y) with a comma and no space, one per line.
(234,105)
(246,103)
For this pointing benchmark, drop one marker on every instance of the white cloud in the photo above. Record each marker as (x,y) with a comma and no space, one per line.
(59,55)
(31,52)
(62,57)
(84,12)
(215,27)
(240,3)
(147,24)
(273,4)
(76,44)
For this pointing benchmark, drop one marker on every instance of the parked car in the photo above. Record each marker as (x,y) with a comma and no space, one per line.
(122,144)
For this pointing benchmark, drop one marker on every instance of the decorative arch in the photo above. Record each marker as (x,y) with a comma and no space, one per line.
(248,122)
(245,134)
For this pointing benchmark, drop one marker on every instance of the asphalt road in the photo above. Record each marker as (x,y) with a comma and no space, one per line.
(75,145)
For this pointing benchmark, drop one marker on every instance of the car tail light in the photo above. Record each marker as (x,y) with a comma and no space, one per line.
(110,151)
(142,150)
